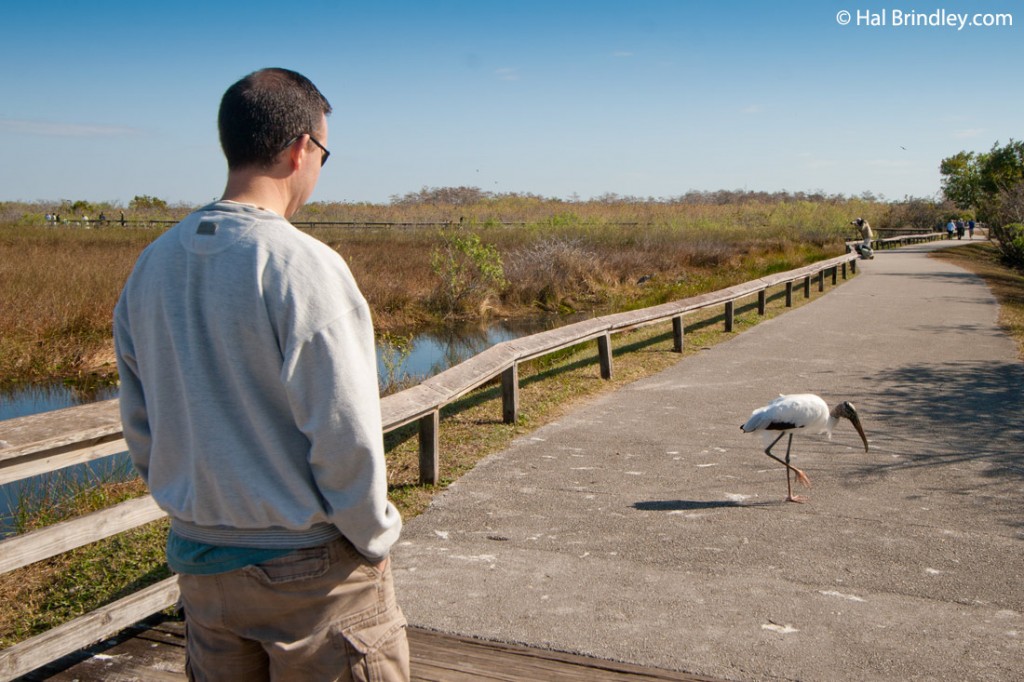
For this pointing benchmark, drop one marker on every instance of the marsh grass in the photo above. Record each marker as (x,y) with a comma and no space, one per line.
(58,286)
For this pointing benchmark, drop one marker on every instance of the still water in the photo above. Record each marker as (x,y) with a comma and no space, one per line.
(406,359)
(428,353)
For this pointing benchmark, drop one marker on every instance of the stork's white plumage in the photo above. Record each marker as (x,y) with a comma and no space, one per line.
(790,413)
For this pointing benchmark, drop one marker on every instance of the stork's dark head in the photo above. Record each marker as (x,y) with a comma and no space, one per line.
(846,410)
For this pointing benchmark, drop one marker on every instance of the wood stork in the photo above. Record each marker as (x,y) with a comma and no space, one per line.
(787,414)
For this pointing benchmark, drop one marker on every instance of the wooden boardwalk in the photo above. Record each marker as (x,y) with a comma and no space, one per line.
(154,651)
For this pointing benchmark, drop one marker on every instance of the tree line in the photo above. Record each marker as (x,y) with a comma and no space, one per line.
(991,185)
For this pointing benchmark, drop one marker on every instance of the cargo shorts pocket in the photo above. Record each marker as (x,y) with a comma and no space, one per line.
(377,649)
(302,564)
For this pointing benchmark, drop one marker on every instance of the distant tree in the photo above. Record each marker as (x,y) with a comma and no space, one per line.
(975,180)
(919,214)
(82,207)
(961,179)
(144,202)
(1002,168)
(991,183)
(451,196)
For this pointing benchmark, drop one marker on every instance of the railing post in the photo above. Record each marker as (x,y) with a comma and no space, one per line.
(844,270)
(789,294)
(762,299)
(807,286)
(821,281)
(678,330)
(604,351)
(510,394)
(853,266)
(430,470)
(835,275)
(730,307)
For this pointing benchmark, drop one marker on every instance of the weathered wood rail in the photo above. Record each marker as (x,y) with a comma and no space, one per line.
(54,440)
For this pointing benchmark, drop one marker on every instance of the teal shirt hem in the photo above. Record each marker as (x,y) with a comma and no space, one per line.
(199,558)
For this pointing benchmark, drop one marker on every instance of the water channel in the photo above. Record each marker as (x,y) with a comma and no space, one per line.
(410,360)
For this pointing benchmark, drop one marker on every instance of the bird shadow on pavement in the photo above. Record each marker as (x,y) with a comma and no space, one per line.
(692,505)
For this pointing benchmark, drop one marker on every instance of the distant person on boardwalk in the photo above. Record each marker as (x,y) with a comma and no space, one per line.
(950,229)
(960,228)
(866,235)
(970,227)
(250,405)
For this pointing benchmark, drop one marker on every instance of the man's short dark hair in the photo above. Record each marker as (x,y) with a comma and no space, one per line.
(261,113)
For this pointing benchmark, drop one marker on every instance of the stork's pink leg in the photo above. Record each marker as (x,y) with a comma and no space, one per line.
(800,476)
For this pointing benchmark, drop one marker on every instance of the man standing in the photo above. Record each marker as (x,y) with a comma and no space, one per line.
(250,406)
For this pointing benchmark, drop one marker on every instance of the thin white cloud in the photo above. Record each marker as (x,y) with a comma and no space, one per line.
(52,129)
(890,164)
(508,74)
(811,162)
(622,54)
(969,132)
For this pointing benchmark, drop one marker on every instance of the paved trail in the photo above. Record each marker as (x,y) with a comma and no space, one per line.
(646,527)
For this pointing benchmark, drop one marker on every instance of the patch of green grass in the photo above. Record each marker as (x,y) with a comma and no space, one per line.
(39,597)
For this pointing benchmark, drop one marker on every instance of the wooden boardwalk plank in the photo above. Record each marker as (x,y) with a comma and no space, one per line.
(155,651)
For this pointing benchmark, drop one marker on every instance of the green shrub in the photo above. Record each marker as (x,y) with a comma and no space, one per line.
(1011,244)
(471,272)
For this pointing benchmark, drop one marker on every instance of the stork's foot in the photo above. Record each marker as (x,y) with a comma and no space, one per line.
(800,499)
(802,477)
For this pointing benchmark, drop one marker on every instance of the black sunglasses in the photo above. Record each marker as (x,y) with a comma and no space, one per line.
(326,153)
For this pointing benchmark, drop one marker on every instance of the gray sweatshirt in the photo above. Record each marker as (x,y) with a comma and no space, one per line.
(249,392)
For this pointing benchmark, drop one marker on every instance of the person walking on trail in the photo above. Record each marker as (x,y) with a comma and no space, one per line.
(251,409)
(950,229)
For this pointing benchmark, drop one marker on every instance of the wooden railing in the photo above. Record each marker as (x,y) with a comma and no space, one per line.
(54,440)
(898,240)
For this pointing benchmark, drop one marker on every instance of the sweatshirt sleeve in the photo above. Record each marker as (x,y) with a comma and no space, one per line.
(331,381)
(132,400)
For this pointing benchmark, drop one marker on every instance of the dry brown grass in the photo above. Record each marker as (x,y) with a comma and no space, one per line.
(58,286)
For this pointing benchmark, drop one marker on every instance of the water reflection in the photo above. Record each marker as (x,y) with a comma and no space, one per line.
(433,351)
(34,399)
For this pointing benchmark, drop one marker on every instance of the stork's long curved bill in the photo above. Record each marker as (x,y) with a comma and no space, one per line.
(855,420)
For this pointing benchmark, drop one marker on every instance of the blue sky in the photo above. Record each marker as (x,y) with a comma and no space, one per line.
(106,100)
